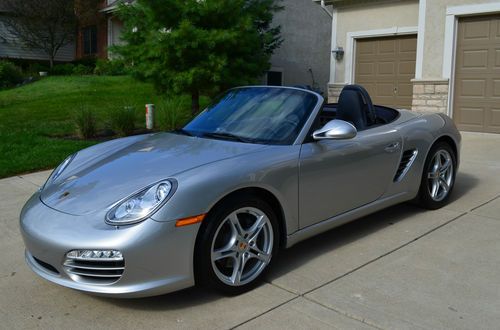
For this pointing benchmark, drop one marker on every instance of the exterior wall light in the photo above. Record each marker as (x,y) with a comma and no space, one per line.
(338,53)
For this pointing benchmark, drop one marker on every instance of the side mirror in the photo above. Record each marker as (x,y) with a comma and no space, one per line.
(335,130)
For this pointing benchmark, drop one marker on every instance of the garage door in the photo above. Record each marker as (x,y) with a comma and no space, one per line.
(477,75)
(385,67)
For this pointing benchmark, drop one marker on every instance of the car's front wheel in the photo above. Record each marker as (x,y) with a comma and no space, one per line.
(438,177)
(236,246)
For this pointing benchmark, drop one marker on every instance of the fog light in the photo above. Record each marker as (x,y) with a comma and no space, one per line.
(95,255)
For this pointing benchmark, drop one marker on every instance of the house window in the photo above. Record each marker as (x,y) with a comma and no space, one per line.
(90,40)
(274,78)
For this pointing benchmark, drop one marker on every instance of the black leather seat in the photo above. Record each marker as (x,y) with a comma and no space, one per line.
(355,106)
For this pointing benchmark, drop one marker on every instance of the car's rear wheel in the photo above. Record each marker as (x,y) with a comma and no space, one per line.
(236,246)
(438,177)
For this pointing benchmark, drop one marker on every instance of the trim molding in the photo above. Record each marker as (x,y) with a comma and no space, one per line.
(333,45)
(351,44)
(422,7)
(463,10)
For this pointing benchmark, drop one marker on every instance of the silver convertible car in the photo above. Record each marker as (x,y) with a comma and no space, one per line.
(260,169)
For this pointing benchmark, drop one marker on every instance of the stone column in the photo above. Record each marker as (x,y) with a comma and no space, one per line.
(334,92)
(430,95)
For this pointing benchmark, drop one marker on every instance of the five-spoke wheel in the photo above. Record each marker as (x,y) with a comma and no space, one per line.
(242,246)
(438,177)
(236,245)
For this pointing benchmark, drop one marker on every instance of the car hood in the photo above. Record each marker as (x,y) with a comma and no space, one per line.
(101,175)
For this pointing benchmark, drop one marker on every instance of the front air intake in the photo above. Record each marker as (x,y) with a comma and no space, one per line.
(96,268)
(407,160)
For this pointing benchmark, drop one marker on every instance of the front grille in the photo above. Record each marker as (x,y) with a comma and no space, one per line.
(46,266)
(406,161)
(94,271)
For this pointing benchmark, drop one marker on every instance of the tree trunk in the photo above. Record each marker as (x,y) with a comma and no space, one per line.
(51,62)
(195,102)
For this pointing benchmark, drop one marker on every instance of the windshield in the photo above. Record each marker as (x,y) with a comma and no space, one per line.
(267,115)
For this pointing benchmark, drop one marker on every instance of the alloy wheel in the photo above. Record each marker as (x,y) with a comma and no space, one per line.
(242,246)
(440,175)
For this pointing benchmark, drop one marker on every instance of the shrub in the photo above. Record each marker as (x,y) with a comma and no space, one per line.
(81,70)
(10,74)
(86,61)
(172,112)
(62,69)
(110,68)
(123,120)
(85,121)
(35,68)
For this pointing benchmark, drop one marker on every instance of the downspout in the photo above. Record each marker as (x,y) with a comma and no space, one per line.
(325,8)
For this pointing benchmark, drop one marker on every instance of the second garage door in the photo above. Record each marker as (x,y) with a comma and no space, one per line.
(385,67)
(476,104)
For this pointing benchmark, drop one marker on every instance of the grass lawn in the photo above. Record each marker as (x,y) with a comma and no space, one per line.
(36,120)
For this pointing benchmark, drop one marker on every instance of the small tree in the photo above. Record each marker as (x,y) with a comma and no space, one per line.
(196,46)
(47,25)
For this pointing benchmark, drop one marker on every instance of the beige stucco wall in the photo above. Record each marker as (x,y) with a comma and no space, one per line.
(382,15)
(434,34)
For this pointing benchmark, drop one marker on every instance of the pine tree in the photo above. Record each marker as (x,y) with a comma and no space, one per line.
(199,46)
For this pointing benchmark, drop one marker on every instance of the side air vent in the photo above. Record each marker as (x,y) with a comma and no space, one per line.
(405,164)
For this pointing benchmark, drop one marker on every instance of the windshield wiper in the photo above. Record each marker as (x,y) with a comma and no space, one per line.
(227,136)
(183,132)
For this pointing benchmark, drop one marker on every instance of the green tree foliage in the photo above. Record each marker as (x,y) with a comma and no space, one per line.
(199,46)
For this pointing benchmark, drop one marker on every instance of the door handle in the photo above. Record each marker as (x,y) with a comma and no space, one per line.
(393,147)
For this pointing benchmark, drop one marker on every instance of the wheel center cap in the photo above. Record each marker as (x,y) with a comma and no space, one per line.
(243,246)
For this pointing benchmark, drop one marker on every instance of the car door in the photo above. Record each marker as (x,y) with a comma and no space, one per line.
(337,176)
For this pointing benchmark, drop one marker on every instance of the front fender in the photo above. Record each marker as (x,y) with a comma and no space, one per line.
(274,169)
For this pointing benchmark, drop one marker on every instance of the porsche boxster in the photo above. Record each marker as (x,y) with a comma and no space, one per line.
(211,204)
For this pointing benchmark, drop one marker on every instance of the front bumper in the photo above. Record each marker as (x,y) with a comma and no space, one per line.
(158,256)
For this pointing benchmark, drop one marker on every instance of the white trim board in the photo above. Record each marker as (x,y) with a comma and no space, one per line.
(450,39)
(422,6)
(333,45)
(351,44)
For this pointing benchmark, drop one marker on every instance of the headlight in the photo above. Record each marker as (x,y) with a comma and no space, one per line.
(59,169)
(141,205)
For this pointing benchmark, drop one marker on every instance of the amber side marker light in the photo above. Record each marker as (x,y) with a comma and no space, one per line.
(190,220)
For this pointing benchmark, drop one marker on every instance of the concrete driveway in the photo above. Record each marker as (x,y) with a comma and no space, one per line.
(399,268)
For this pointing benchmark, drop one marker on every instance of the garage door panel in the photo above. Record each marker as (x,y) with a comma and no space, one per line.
(387,46)
(471,116)
(405,89)
(475,59)
(366,48)
(407,46)
(497,58)
(386,68)
(496,88)
(385,89)
(394,67)
(494,121)
(476,30)
(366,69)
(477,74)
(473,88)
(407,68)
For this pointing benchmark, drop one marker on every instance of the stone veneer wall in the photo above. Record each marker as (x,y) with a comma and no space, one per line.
(430,95)
(334,92)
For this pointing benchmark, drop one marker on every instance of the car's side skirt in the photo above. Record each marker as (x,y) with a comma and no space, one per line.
(346,217)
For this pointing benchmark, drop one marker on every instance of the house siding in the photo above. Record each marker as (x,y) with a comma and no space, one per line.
(304,28)
(12,48)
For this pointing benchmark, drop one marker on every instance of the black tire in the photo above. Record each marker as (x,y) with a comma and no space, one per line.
(425,198)
(205,274)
